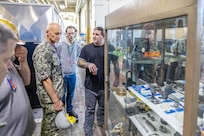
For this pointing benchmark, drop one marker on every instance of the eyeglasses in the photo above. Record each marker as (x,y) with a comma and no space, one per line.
(70,33)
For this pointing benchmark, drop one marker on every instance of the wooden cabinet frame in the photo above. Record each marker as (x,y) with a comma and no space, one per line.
(139,11)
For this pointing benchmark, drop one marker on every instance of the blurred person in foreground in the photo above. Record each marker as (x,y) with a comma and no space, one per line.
(15,108)
(49,79)
(92,58)
(69,51)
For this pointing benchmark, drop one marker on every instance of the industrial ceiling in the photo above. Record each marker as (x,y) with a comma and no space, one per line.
(73,6)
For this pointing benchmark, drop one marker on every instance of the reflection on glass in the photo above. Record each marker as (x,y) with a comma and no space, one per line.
(147,61)
(200,120)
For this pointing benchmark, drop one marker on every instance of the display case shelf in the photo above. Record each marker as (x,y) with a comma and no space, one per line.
(147,126)
(177,124)
(169,58)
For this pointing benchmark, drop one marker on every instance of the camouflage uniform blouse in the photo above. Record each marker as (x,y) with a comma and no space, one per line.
(47,64)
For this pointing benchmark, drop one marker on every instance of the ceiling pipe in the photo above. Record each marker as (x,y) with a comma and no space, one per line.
(20,1)
(56,5)
(47,2)
(30,1)
(65,2)
(78,5)
(43,2)
(35,1)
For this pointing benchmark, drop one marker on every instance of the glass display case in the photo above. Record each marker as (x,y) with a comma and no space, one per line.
(154,69)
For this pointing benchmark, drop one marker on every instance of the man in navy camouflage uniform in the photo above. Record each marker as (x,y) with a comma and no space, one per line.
(49,79)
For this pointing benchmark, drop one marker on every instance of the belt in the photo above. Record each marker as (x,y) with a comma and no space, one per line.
(68,74)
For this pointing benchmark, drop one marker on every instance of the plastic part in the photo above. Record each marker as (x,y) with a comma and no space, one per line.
(61,120)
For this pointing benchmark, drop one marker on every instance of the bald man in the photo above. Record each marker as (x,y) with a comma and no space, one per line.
(49,78)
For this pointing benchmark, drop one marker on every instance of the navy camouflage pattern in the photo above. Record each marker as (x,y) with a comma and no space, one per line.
(48,124)
(47,64)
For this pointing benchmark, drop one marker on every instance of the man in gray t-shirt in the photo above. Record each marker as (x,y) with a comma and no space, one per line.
(16,116)
(15,107)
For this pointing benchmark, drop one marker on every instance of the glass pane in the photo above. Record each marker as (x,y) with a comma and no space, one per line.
(150,61)
(118,43)
(200,118)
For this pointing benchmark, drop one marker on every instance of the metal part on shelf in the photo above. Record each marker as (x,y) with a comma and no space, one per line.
(121,92)
(149,124)
(129,79)
(177,134)
(151,127)
(176,101)
(163,129)
(168,89)
(163,122)
(142,124)
(129,100)
(118,128)
(155,134)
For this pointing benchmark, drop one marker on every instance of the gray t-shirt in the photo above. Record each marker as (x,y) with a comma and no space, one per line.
(15,107)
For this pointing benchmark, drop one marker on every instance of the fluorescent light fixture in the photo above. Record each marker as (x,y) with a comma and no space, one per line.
(20,1)
(62,6)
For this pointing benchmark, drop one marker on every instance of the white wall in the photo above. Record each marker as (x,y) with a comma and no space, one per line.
(83,20)
(104,7)
(98,10)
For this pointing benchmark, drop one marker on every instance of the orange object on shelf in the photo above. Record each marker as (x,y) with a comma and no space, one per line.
(146,54)
(152,54)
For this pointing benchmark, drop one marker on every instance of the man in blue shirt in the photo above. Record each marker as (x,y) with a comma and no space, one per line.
(69,51)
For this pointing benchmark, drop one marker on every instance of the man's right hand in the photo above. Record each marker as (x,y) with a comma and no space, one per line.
(92,67)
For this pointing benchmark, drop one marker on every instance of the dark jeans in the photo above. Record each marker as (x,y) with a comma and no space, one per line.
(69,87)
(91,98)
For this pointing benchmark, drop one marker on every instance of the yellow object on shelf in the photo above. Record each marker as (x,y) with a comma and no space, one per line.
(138,99)
(131,93)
